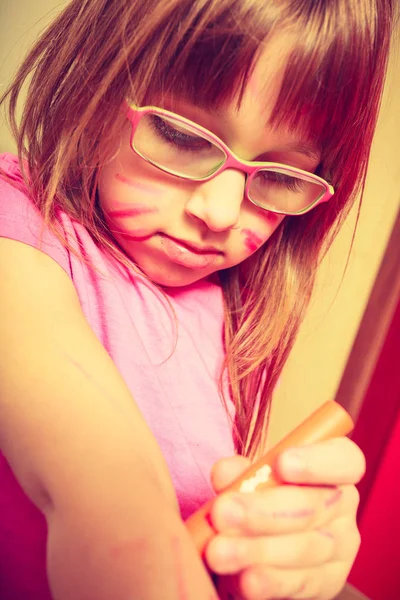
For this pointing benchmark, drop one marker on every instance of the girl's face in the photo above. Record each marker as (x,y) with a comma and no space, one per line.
(179,231)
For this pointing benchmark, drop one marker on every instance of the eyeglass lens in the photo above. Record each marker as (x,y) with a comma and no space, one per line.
(184,151)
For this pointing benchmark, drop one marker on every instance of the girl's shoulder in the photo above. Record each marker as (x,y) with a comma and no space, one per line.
(20,219)
(9,165)
(66,240)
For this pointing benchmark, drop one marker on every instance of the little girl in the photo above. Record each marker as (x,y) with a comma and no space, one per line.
(183,165)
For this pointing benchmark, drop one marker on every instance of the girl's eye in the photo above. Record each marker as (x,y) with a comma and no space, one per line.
(178,136)
(293,184)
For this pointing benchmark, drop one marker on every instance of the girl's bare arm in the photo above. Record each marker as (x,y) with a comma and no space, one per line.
(81,449)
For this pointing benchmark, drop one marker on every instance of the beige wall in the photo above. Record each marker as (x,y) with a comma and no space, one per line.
(314,370)
(315,367)
(21,22)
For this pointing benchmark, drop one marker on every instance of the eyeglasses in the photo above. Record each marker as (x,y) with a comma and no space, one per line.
(182,148)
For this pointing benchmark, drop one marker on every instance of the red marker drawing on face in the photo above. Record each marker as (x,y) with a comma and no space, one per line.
(132,210)
(139,185)
(268,216)
(252,241)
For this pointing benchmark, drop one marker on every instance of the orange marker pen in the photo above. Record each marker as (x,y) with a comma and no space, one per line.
(328,421)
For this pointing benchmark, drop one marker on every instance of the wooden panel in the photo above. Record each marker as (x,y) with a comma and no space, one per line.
(380,409)
(350,593)
(373,329)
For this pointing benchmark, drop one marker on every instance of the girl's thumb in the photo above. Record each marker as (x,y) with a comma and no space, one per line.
(226,470)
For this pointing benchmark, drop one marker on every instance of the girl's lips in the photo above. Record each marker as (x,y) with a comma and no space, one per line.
(183,254)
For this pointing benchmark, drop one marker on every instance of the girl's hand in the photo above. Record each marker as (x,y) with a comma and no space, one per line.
(292,541)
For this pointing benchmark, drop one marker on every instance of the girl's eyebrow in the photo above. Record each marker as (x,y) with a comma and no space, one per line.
(302,148)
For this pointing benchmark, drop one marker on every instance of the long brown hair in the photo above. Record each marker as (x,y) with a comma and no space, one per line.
(97,52)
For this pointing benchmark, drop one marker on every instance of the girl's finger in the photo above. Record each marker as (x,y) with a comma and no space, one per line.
(280,510)
(347,538)
(261,583)
(227,470)
(229,554)
(333,462)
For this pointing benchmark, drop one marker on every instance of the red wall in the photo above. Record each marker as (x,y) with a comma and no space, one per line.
(376,571)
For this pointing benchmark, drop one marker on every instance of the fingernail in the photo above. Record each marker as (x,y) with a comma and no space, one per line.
(233,511)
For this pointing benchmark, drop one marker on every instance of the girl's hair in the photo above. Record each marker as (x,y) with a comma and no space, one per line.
(97,52)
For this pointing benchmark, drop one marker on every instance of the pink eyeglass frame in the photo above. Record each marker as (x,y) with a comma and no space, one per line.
(251,168)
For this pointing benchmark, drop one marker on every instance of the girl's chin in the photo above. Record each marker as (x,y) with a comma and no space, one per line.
(174,276)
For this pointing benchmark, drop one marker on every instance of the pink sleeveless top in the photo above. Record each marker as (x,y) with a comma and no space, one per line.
(177,394)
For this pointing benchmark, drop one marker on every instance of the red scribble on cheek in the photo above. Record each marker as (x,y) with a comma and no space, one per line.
(123,179)
(139,185)
(269,217)
(252,240)
(132,210)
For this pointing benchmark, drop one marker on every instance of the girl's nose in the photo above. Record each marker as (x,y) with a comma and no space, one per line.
(218,202)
